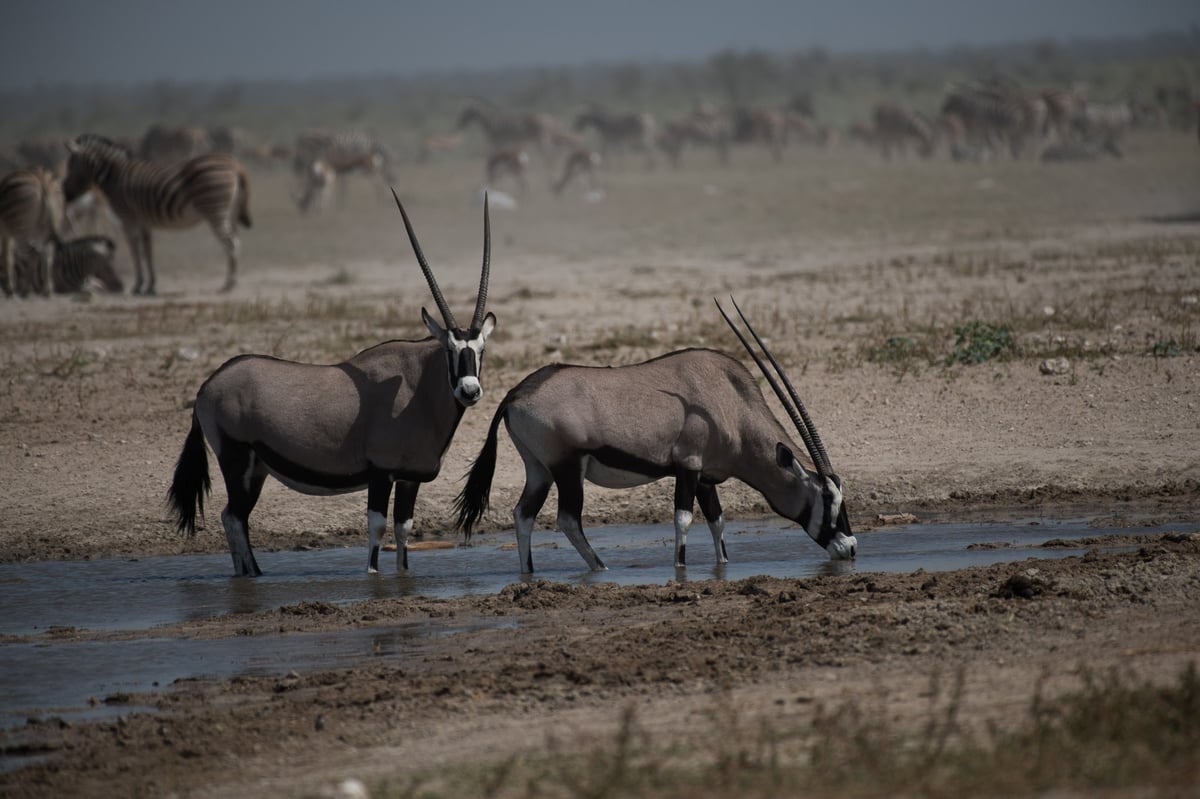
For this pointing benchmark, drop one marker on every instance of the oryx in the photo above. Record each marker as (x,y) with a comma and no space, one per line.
(384,416)
(696,415)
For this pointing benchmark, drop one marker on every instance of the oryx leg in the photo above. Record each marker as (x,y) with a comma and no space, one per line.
(533,496)
(402,518)
(710,506)
(244,476)
(379,491)
(568,478)
(685,500)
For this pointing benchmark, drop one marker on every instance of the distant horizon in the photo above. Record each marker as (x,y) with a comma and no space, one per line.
(131,43)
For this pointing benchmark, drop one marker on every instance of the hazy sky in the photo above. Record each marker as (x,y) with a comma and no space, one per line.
(124,41)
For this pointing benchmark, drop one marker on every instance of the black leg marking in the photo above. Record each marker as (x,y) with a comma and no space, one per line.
(710,504)
(379,491)
(402,514)
(683,555)
(686,487)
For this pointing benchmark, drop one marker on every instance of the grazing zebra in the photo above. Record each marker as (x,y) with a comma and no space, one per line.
(581,161)
(702,129)
(633,131)
(895,126)
(346,151)
(30,211)
(504,131)
(76,262)
(766,126)
(995,115)
(325,172)
(510,161)
(211,188)
(167,146)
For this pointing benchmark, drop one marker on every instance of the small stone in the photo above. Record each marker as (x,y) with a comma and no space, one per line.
(1054,366)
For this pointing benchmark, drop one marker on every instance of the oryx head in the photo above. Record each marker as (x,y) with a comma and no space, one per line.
(820,508)
(464,347)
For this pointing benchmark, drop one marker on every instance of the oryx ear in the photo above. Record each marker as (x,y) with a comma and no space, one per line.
(437,330)
(488,325)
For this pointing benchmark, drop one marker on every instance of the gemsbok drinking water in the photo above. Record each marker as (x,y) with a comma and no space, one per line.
(696,415)
(383,417)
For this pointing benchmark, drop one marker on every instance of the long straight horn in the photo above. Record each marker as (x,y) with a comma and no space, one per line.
(805,430)
(481,298)
(447,317)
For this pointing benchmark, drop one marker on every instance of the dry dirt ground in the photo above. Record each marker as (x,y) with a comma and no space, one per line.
(859,272)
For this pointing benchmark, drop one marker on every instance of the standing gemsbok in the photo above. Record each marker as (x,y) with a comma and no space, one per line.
(696,415)
(384,416)
(210,188)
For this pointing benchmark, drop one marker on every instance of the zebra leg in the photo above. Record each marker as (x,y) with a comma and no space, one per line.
(149,253)
(710,506)
(533,496)
(8,248)
(685,498)
(229,242)
(569,480)
(46,264)
(244,477)
(379,491)
(402,519)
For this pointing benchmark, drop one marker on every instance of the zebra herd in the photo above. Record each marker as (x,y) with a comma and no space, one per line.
(177,177)
(983,120)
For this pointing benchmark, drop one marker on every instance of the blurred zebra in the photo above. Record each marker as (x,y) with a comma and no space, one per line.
(166,146)
(581,161)
(633,131)
(1085,150)
(895,126)
(995,115)
(211,188)
(352,148)
(705,127)
(1102,120)
(326,171)
(76,263)
(766,126)
(30,212)
(511,162)
(504,131)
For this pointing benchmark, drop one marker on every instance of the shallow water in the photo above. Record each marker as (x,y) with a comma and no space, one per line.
(41,675)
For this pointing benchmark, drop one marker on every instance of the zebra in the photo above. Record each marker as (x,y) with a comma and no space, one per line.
(767,126)
(503,130)
(706,130)
(508,161)
(1102,120)
(76,263)
(1093,149)
(167,146)
(31,210)
(345,151)
(635,131)
(995,115)
(212,188)
(895,126)
(581,161)
(326,171)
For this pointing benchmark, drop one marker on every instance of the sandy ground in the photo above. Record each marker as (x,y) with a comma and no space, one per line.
(831,254)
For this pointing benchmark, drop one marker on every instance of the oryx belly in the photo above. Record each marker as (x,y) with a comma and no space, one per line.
(614,477)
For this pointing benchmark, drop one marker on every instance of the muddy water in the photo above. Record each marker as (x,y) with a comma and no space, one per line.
(40,675)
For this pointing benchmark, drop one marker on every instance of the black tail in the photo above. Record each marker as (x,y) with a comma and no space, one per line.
(243,212)
(472,501)
(191,483)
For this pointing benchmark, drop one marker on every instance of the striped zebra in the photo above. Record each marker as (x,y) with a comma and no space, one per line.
(346,152)
(704,127)
(617,132)
(211,188)
(30,212)
(896,126)
(327,171)
(995,115)
(765,126)
(76,263)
